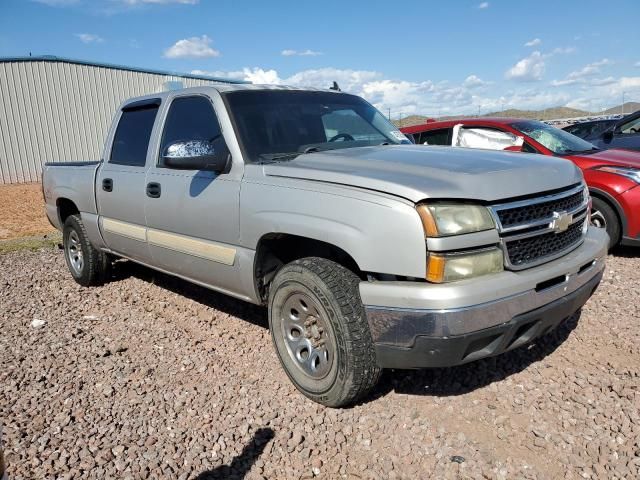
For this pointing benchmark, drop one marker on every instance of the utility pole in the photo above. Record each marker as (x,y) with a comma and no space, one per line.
(478,111)
(622,103)
(389,116)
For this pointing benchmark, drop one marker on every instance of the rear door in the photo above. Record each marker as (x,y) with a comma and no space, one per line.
(120,185)
(193,215)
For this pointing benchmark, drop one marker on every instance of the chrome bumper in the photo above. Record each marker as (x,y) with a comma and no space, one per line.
(399,312)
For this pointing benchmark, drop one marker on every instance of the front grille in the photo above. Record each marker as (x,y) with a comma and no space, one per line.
(538,230)
(530,213)
(533,249)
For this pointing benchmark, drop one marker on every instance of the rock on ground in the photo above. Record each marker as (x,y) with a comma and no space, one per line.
(150,376)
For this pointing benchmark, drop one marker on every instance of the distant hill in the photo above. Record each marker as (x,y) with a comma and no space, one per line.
(411,120)
(546,114)
(629,107)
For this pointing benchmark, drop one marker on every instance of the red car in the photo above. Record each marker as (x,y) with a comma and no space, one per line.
(613,175)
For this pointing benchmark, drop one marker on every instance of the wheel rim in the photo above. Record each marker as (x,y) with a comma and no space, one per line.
(74,252)
(597,219)
(304,328)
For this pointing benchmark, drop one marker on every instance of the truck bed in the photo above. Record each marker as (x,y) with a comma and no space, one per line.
(72,181)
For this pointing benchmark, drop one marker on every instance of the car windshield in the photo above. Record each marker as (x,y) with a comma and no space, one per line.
(275,125)
(556,140)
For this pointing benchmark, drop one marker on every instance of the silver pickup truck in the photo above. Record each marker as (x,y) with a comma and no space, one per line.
(369,252)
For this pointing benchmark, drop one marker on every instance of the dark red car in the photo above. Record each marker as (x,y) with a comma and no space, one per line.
(613,175)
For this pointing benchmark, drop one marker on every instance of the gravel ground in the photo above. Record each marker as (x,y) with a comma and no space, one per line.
(152,377)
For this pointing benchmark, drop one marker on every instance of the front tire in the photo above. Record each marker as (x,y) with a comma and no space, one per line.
(604,216)
(88,266)
(320,332)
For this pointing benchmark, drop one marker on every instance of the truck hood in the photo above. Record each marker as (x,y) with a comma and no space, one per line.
(418,172)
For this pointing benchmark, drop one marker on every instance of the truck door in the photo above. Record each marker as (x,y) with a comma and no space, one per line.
(120,184)
(192,215)
(626,134)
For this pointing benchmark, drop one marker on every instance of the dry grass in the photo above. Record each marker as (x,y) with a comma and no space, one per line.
(22,211)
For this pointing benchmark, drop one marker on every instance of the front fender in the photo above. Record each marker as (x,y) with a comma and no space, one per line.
(380,233)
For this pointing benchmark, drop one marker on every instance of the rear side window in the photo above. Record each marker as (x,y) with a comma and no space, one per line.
(131,139)
(190,118)
(436,137)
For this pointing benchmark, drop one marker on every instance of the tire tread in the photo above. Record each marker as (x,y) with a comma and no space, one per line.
(98,265)
(344,286)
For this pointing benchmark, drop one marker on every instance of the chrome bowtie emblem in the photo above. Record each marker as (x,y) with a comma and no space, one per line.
(561,221)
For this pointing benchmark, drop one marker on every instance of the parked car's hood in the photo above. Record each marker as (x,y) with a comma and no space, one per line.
(416,172)
(613,156)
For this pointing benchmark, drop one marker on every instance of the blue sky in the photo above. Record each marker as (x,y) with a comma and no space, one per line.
(422,57)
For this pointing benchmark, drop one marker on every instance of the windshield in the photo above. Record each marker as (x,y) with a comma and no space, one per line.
(556,140)
(282,124)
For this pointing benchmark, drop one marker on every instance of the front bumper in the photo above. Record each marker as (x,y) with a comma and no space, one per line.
(630,203)
(415,325)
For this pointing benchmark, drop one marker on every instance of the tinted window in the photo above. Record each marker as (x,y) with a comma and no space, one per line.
(338,122)
(275,125)
(190,118)
(131,140)
(631,127)
(436,137)
(577,130)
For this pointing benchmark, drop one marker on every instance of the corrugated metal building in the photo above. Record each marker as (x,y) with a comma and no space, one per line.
(57,109)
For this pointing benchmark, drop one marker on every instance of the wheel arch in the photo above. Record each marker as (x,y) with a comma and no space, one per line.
(66,208)
(276,249)
(613,203)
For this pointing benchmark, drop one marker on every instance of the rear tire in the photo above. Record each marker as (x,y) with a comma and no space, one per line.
(88,265)
(320,331)
(604,216)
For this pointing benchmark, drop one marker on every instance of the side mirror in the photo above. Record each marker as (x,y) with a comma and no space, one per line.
(607,136)
(195,155)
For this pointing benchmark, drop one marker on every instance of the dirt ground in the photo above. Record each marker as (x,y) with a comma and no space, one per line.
(152,377)
(22,211)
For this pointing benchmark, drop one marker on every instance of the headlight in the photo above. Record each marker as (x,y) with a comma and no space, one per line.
(440,219)
(459,266)
(629,172)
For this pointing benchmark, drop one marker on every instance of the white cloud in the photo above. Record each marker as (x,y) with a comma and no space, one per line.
(603,81)
(483,5)
(473,81)
(597,95)
(256,75)
(533,43)
(529,69)
(563,83)
(194,47)
(426,97)
(579,76)
(300,53)
(89,38)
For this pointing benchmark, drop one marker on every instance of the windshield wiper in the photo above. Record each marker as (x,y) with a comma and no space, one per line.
(574,152)
(276,157)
